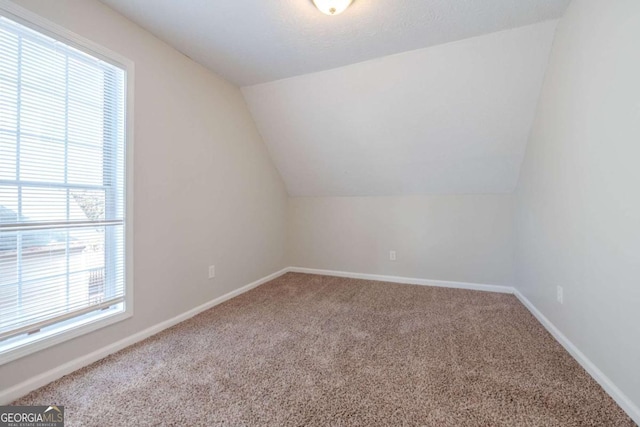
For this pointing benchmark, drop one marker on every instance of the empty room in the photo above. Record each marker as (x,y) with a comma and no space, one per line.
(319,213)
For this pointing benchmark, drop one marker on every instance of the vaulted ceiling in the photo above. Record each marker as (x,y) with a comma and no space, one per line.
(390,98)
(449,119)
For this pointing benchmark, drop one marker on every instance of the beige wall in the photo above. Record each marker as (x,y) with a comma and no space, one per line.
(455,238)
(205,189)
(578,203)
(206,192)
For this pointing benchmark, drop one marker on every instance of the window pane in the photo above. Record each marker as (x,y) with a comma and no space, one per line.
(8,204)
(85,164)
(7,155)
(8,260)
(8,291)
(43,67)
(8,106)
(44,204)
(87,205)
(42,113)
(59,270)
(9,53)
(62,171)
(41,159)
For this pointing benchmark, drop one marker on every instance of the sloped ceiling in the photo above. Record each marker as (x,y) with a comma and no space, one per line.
(257,41)
(390,98)
(449,119)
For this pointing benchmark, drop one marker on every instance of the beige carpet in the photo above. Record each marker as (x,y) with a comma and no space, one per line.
(323,351)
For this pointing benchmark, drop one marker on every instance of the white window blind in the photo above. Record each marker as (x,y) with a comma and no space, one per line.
(62,189)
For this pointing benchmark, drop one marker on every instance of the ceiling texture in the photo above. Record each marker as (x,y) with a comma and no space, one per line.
(389,98)
(258,41)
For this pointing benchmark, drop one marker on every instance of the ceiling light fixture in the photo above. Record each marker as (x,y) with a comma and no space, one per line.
(332,7)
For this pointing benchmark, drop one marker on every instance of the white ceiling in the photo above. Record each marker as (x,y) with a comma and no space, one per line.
(257,41)
(449,119)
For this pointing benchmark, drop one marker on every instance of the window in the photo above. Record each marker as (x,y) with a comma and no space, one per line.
(62,188)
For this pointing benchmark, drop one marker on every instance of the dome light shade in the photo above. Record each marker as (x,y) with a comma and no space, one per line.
(332,7)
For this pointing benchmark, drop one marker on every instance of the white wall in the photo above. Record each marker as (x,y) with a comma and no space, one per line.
(205,189)
(455,238)
(578,202)
(448,119)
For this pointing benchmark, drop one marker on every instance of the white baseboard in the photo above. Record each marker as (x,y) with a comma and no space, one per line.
(406,280)
(616,394)
(612,390)
(19,390)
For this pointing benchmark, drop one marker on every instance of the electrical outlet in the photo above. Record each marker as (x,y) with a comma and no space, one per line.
(212,271)
(392,255)
(560,294)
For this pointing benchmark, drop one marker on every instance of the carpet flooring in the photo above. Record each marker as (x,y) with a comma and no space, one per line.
(318,351)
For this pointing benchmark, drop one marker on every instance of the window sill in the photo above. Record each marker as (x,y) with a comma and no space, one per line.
(21,346)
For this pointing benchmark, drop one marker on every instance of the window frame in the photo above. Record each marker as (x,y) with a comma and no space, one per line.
(67,330)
